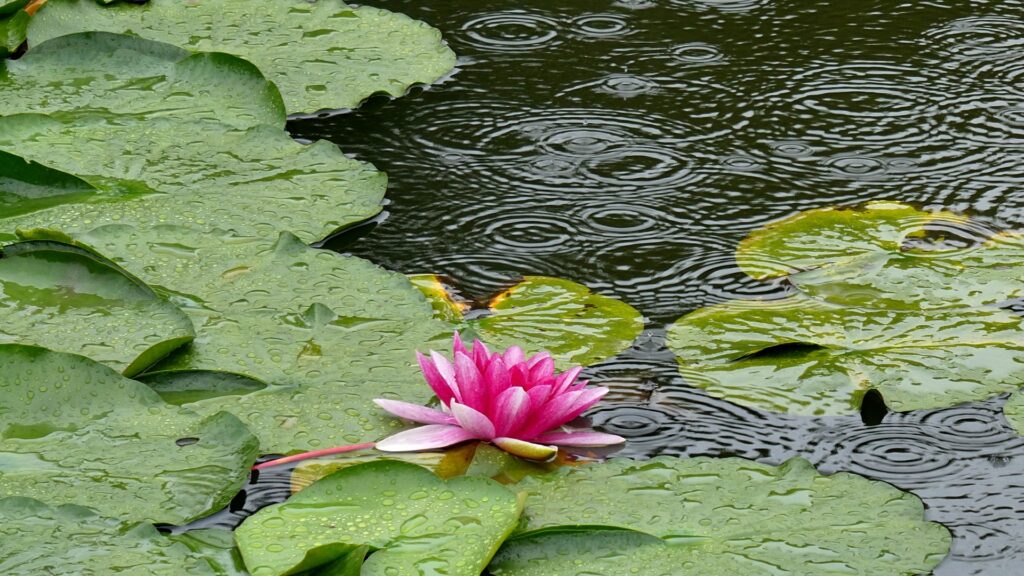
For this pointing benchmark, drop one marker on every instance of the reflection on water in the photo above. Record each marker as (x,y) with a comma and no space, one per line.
(631,144)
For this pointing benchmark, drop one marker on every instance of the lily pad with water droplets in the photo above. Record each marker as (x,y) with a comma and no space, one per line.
(805,356)
(36,538)
(217,547)
(13,32)
(322,55)
(75,432)
(63,298)
(1013,410)
(718,517)
(412,521)
(542,313)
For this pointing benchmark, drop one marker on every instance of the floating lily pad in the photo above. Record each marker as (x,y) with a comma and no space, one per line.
(217,547)
(719,517)
(321,54)
(8,7)
(413,521)
(27,186)
(39,539)
(805,356)
(105,74)
(13,32)
(447,464)
(1014,411)
(814,238)
(191,386)
(74,431)
(543,313)
(58,297)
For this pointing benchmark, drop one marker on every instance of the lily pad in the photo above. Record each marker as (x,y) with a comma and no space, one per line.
(26,186)
(74,431)
(217,547)
(190,386)
(542,313)
(8,7)
(805,356)
(444,464)
(321,55)
(1013,410)
(413,521)
(98,73)
(13,32)
(718,517)
(58,297)
(39,539)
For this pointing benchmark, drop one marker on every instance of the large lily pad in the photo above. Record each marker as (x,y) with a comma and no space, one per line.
(27,186)
(74,431)
(321,54)
(62,298)
(544,313)
(13,32)
(719,517)
(1014,411)
(414,522)
(804,356)
(39,539)
(105,74)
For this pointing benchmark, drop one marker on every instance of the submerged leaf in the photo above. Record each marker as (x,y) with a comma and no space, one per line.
(718,517)
(74,431)
(36,538)
(414,521)
(59,297)
(322,55)
(804,356)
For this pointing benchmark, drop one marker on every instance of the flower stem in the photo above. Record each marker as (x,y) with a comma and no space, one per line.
(313,454)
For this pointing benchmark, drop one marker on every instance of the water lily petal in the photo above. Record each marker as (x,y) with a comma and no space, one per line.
(538,357)
(458,345)
(424,438)
(514,355)
(519,375)
(584,401)
(481,355)
(414,412)
(525,449)
(567,378)
(477,424)
(434,379)
(447,372)
(496,381)
(545,368)
(510,411)
(539,396)
(471,382)
(588,438)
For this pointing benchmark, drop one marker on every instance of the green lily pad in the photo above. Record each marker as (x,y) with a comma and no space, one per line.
(217,547)
(27,186)
(190,386)
(74,431)
(321,54)
(719,517)
(39,539)
(814,238)
(8,7)
(13,33)
(1013,410)
(544,313)
(58,297)
(413,521)
(805,356)
(115,75)
(205,176)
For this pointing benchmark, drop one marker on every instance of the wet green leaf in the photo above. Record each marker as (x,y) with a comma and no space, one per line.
(320,54)
(445,464)
(62,298)
(36,538)
(216,547)
(544,313)
(805,356)
(13,32)
(414,521)
(74,431)
(27,186)
(8,7)
(719,517)
(190,386)
(1013,410)
(107,74)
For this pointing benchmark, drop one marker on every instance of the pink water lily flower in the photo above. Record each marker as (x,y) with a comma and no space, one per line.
(517,403)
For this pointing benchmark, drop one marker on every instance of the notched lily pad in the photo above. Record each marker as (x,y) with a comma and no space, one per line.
(322,54)
(412,521)
(74,431)
(805,356)
(719,517)
(576,325)
(190,386)
(36,538)
(63,298)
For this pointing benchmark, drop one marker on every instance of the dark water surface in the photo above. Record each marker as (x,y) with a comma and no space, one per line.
(630,145)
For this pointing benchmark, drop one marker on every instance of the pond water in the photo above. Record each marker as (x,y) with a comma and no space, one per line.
(631,145)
